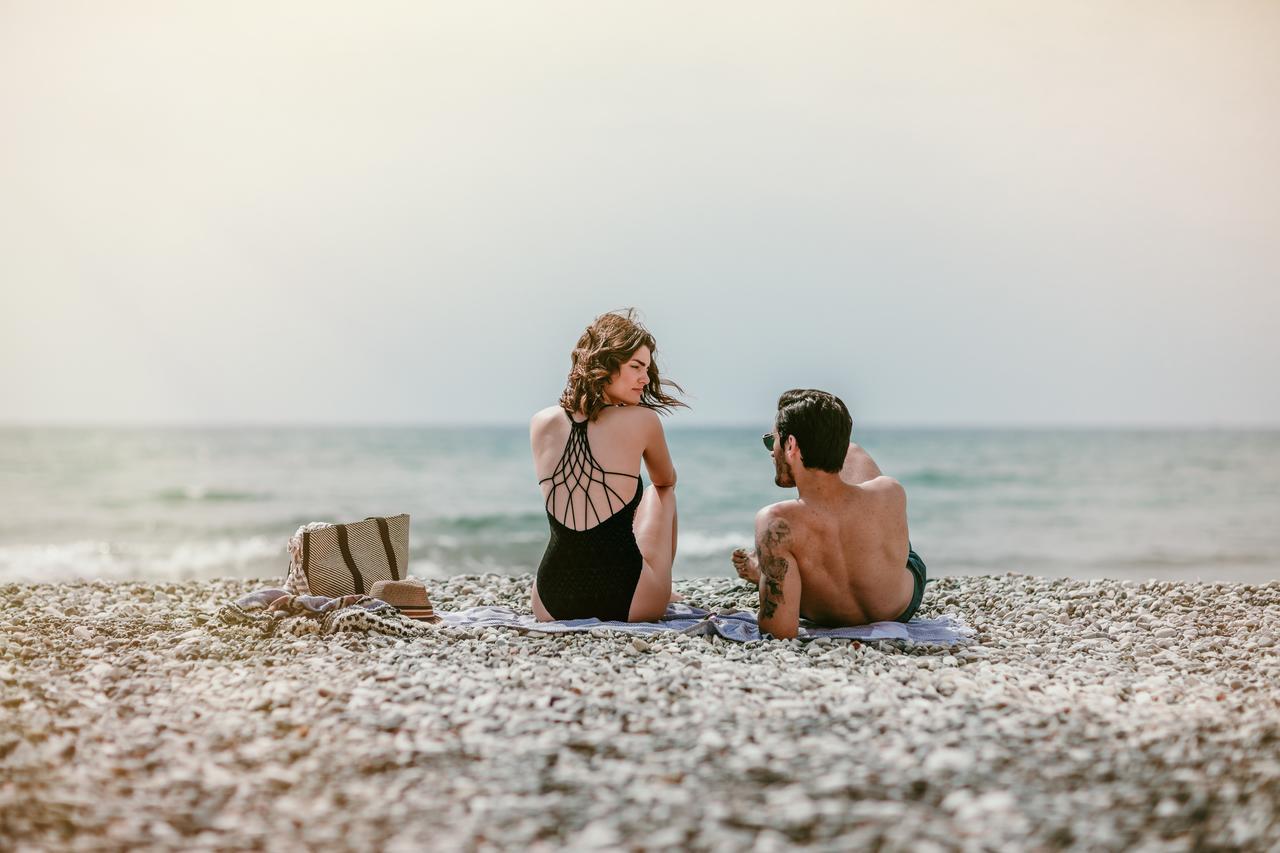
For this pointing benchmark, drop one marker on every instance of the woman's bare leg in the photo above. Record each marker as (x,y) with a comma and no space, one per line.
(539,612)
(655,529)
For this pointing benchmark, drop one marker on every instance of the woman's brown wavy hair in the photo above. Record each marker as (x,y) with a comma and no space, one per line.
(601,351)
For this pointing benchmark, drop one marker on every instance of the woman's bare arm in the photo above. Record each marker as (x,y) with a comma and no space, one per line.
(657,458)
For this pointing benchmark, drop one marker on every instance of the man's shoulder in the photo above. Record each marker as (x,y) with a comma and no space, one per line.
(884,485)
(778,522)
(782,509)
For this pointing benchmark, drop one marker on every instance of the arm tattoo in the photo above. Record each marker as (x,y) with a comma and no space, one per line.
(773,568)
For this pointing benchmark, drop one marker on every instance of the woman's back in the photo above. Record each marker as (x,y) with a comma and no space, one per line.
(612,541)
(592,562)
(588,470)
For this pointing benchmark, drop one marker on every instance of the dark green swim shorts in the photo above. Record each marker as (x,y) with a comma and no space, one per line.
(915,565)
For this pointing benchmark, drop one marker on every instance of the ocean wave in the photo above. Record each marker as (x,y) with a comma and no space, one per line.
(487,521)
(946,478)
(100,560)
(255,556)
(207,495)
(502,542)
(696,543)
(1210,560)
(432,541)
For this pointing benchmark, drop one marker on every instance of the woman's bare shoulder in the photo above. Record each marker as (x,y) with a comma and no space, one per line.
(545,417)
(641,416)
(633,420)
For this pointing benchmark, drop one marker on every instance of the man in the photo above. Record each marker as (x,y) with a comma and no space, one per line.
(839,554)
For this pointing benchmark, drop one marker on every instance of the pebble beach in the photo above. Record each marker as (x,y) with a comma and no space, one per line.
(1084,715)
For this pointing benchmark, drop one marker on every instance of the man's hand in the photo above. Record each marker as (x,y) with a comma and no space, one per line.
(746,565)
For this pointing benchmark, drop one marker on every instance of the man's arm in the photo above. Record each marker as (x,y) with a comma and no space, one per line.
(779,578)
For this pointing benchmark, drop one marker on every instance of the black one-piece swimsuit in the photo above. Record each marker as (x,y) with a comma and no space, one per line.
(592,563)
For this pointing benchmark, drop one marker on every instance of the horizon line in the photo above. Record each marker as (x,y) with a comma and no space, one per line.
(1125,426)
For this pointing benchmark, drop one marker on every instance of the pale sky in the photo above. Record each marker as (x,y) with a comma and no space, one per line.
(1055,213)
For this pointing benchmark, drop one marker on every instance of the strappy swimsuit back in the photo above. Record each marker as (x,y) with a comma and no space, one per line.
(592,562)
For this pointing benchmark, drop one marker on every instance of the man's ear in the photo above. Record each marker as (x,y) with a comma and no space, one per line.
(790,445)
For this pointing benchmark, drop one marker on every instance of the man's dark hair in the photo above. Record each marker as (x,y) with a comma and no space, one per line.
(821,424)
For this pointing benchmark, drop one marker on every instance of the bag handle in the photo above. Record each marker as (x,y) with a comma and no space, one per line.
(385,530)
(349,560)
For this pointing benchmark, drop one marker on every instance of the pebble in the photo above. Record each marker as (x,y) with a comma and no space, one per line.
(1088,714)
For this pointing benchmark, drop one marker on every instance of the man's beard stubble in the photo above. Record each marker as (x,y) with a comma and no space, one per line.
(782,476)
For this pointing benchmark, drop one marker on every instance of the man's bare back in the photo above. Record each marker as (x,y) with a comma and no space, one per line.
(837,555)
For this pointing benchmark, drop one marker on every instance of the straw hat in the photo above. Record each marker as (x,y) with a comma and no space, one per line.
(407,596)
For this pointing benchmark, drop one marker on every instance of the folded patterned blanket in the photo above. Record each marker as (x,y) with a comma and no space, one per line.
(278,612)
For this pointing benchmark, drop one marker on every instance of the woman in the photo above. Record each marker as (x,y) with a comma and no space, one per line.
(613,541)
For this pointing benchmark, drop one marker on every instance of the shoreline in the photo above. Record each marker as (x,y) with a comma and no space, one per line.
(1095,714)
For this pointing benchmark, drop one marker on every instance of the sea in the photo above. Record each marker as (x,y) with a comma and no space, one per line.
(180,503)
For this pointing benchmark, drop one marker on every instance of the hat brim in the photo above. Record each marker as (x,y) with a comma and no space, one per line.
(423,614)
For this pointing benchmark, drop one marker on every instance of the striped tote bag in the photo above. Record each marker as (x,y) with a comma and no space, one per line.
(347,559)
